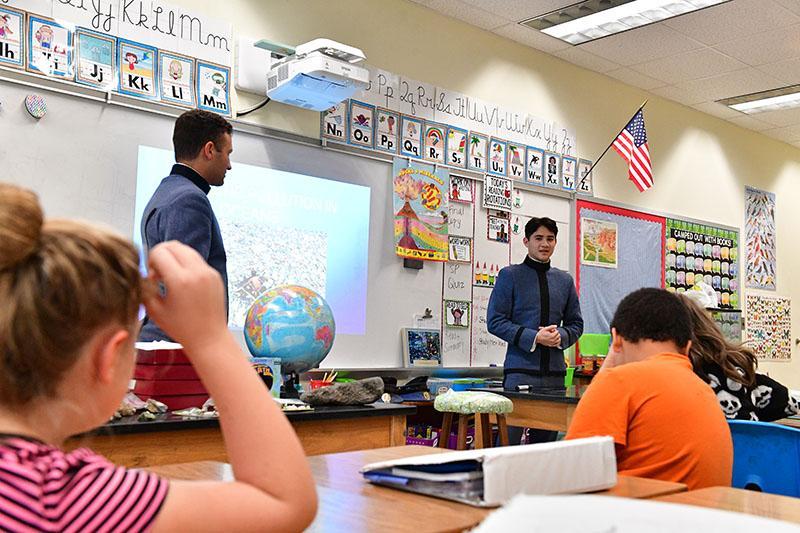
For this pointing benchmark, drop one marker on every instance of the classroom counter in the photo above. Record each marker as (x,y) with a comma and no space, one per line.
(542,408)
(175,439)
(569,395)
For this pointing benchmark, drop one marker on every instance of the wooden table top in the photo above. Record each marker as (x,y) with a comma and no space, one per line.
(790,421)
(742,501)
(348,503)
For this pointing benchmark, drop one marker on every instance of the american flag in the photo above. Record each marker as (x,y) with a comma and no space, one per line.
(631,144)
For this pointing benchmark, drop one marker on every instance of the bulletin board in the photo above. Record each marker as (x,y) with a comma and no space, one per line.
(638,241)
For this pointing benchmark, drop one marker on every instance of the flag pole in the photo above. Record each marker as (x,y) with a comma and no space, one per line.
(615,138)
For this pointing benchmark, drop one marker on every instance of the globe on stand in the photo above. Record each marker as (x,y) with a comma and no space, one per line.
(292,323)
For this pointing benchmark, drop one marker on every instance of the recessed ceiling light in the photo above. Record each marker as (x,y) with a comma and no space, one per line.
(594,19)
(772,100)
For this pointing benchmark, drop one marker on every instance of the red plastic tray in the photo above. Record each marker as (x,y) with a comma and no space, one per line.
(161,357)
(162,372)
(168,387)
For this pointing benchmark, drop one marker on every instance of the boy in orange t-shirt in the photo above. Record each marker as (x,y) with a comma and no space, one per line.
(665,421)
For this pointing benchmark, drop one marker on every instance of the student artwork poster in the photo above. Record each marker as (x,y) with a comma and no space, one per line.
(478,152)
(137,70)
(420,211)
(177,79)
(95,60)
(12,37)
(456,314)
(49,48)
(213,88)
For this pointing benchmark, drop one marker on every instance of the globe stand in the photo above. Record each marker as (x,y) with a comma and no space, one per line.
(291,381)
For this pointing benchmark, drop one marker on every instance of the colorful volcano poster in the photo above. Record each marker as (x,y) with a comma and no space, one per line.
(420,211)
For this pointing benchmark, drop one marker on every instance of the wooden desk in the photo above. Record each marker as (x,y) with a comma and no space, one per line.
(741,501)
(348,503)
(171,439)
(790,422)
(543,409)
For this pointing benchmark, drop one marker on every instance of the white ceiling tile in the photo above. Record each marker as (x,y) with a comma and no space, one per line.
(468,13)
(634,78)
(787,71)
(732,20)
(679,94)
(736,83)
(687,66)
(765,47)
(750,123)
(717,110)
(782,118)
(641,45)
(791,5)
(519,10)
(585,59)
(788,134)
(531,37)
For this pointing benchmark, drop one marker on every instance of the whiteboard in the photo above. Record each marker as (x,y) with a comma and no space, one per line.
(81,159)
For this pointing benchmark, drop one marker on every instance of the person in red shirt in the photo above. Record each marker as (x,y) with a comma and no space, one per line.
(665,421)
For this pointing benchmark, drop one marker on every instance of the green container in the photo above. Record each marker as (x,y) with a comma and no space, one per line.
(594,343)
(568,377)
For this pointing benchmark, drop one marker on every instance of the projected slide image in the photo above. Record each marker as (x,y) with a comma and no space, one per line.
(278,255)
(282,228)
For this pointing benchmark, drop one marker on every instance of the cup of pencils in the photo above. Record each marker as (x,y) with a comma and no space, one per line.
(326,380)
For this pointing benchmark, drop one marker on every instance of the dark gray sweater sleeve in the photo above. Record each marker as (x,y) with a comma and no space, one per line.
(498,314)
(187,220)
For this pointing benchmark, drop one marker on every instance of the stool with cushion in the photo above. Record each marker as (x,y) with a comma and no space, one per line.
(473,403)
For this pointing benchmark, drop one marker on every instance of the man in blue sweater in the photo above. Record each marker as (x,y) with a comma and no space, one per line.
(534,308)
(179,209)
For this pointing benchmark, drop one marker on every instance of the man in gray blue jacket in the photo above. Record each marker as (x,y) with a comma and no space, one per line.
(534,308)
(179,209)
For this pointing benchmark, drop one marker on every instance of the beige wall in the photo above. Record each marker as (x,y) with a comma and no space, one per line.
(701,163)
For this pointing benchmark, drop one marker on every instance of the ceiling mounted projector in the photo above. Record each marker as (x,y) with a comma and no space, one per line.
(316,75)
